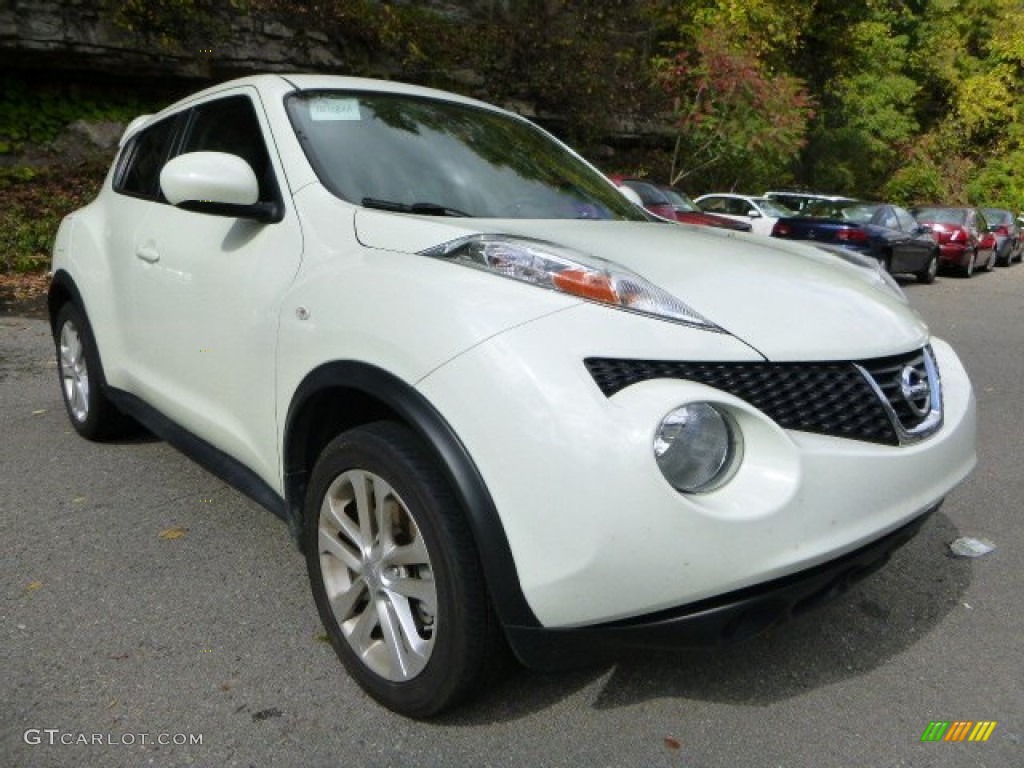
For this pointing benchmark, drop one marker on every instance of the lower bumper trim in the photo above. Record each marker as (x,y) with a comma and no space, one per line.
(721,620)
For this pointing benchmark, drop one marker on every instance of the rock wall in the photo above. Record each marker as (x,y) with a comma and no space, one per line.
(82,36)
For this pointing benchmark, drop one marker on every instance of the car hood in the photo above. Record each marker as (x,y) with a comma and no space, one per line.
(790,302)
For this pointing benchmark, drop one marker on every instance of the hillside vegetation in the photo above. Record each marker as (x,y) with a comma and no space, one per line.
(909,100)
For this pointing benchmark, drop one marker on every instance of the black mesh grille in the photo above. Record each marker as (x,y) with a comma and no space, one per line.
(829,398)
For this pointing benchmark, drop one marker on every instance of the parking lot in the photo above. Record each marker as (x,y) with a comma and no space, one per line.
(151,615)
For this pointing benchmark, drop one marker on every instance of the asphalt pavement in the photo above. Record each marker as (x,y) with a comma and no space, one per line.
(152,616)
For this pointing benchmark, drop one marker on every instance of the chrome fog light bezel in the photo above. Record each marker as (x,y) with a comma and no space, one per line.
(713,470)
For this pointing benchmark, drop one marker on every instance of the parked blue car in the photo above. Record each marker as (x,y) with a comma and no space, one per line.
(886,232)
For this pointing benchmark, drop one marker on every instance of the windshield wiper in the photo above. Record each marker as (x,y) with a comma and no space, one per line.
(427,209)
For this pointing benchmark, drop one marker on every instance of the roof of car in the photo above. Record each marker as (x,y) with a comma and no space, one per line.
(733,195)
(801,193)
(290,82)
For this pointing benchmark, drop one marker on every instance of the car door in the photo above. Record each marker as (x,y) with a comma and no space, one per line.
(136,183)
(985,242)
(891,239)
(206,295)
(726,206)
(918,244)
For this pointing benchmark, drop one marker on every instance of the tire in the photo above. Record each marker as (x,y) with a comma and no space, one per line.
(991,261)
(405,609)
(968,271)
(927,275)
(81,379)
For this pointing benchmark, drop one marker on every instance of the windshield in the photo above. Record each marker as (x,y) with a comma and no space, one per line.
(771,208)
(420,155)
(941,215)
(860,213)
(997,216)
(680,201)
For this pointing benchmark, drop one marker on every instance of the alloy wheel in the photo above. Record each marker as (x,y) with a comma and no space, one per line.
(377,575)
(74,372)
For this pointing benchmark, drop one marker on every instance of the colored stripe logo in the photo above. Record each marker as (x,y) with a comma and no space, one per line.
(958,730)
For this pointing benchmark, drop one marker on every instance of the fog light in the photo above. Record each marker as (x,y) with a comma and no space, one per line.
(697,447)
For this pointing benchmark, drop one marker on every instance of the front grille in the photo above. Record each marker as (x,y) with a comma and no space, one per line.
(828,398)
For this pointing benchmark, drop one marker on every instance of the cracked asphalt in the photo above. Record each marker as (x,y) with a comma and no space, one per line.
(152,616)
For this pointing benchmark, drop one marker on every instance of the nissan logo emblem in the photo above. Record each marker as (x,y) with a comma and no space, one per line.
(916,390)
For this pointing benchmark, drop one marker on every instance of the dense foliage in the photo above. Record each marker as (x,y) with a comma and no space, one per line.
(907,99)
(910,100)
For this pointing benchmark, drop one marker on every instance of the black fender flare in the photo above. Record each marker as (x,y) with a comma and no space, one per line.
(62,282)
(453,458)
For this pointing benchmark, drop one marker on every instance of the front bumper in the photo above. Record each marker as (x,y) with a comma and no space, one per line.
(597,534)
(717,621)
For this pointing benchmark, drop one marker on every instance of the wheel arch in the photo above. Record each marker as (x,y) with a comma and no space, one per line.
(344,394)
(62,290)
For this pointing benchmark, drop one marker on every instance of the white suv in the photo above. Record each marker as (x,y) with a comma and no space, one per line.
(498,405)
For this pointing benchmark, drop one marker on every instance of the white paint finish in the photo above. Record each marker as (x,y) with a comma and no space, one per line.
(789,303)
(599,535)
(209,176)
(211,333)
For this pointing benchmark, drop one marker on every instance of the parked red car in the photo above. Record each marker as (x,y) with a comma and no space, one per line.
(963,235)
(670,204)
(687,211)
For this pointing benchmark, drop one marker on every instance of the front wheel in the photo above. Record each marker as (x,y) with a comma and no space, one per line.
(927,275)
(395,573)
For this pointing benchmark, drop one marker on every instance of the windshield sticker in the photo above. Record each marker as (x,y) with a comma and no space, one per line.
(333,108)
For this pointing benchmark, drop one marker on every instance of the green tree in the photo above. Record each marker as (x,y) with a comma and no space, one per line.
(737,118)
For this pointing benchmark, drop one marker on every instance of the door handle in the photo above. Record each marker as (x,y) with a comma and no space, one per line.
(148,254)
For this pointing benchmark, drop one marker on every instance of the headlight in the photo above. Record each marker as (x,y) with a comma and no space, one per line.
(551,266)
(697,447)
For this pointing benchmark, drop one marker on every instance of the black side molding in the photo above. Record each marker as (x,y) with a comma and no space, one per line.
(215,461)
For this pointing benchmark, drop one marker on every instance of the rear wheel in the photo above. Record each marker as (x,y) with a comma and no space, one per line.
(395,573)
(927,275)
(968,271)
(81,379)
(991,261)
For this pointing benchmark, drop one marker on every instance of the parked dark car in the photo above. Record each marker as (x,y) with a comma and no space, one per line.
(1007,235)
(886,232)
(962,232)
(688,212)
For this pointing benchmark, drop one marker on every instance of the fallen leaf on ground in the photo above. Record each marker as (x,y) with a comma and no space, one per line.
(174,533)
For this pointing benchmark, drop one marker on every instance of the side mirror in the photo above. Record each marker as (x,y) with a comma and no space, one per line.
(753,214)
(216,183)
